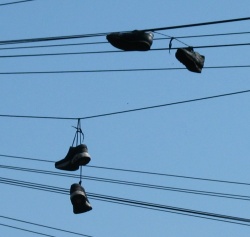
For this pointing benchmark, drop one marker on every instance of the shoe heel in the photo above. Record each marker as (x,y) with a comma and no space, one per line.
(81,159)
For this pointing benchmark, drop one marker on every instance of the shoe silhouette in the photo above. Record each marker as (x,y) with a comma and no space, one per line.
(193,61)
(76,156)
(131,41)
(79,199)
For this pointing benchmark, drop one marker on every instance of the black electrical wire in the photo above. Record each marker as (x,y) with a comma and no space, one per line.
(106,42)
(134,203)
(173,212)
(163,105)
(52,45)
(134,184)
(104,34)
(44,226)
(45,39)
(27,158)
(198,24)
(207,35)
(114,51)
(169,175)
(125,111)
(118,70)
(151,207)
(122,201)
(9,3)
(135,171)
(171,208)
(30,231)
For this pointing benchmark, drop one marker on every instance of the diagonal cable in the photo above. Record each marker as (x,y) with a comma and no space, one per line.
(44,226)
(134,184)
(128,111)
(135,203)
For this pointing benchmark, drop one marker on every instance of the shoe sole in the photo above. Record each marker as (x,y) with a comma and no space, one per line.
(66,166)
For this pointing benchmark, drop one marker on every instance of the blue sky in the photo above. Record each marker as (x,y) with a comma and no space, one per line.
(206,139)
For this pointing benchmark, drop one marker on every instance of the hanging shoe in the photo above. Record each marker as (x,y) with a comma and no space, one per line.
(79,199)
(75,157)
(132,41)
(193,61)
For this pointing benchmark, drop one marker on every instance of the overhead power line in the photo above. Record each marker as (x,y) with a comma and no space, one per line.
(22,229)
(27,158)
(106,42)
(126,111)
(52,45)
(30,40)
(135,171)
(134,203)
(134,184)
(199,24)
(44,226)
(114,51)
(10,3)
(119,70)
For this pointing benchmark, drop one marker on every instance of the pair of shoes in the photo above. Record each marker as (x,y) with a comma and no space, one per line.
(131,41)
(76,156)
(193,61)
(79,199)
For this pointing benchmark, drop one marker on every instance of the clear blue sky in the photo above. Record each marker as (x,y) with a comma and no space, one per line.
(206,139)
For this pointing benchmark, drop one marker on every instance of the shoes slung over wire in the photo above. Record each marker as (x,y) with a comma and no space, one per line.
(193,61)
(131,41)
(76,156)
(79,199)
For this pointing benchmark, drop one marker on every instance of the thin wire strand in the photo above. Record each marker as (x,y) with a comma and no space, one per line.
(127,111)
(115,51)
(134,184)
(27,158)
(44,226)
(173,212)
(105,42)
(172,38)
(135,171)
(10,3)
(30,231)
(141,204)
(164,105)
(52,45)
(119,70)
(104,34)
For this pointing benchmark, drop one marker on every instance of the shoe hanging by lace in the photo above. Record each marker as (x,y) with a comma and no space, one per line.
(171,39)
(78,139)
(79,136)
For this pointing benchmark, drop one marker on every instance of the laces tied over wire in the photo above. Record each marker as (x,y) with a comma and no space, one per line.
(171,39)
(78,139)
(79,135)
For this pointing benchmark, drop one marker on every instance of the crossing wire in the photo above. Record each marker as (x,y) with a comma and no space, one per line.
(118,70)
(10,3)
(22,229)
(134,184)
(137,171)
(44,226)
(105,42)
(126,111)
(114,51)
(134,203)
(17,41)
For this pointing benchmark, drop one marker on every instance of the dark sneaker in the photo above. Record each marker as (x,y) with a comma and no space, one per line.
(76,157)
(79,199)
(132,41)
(193,61)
